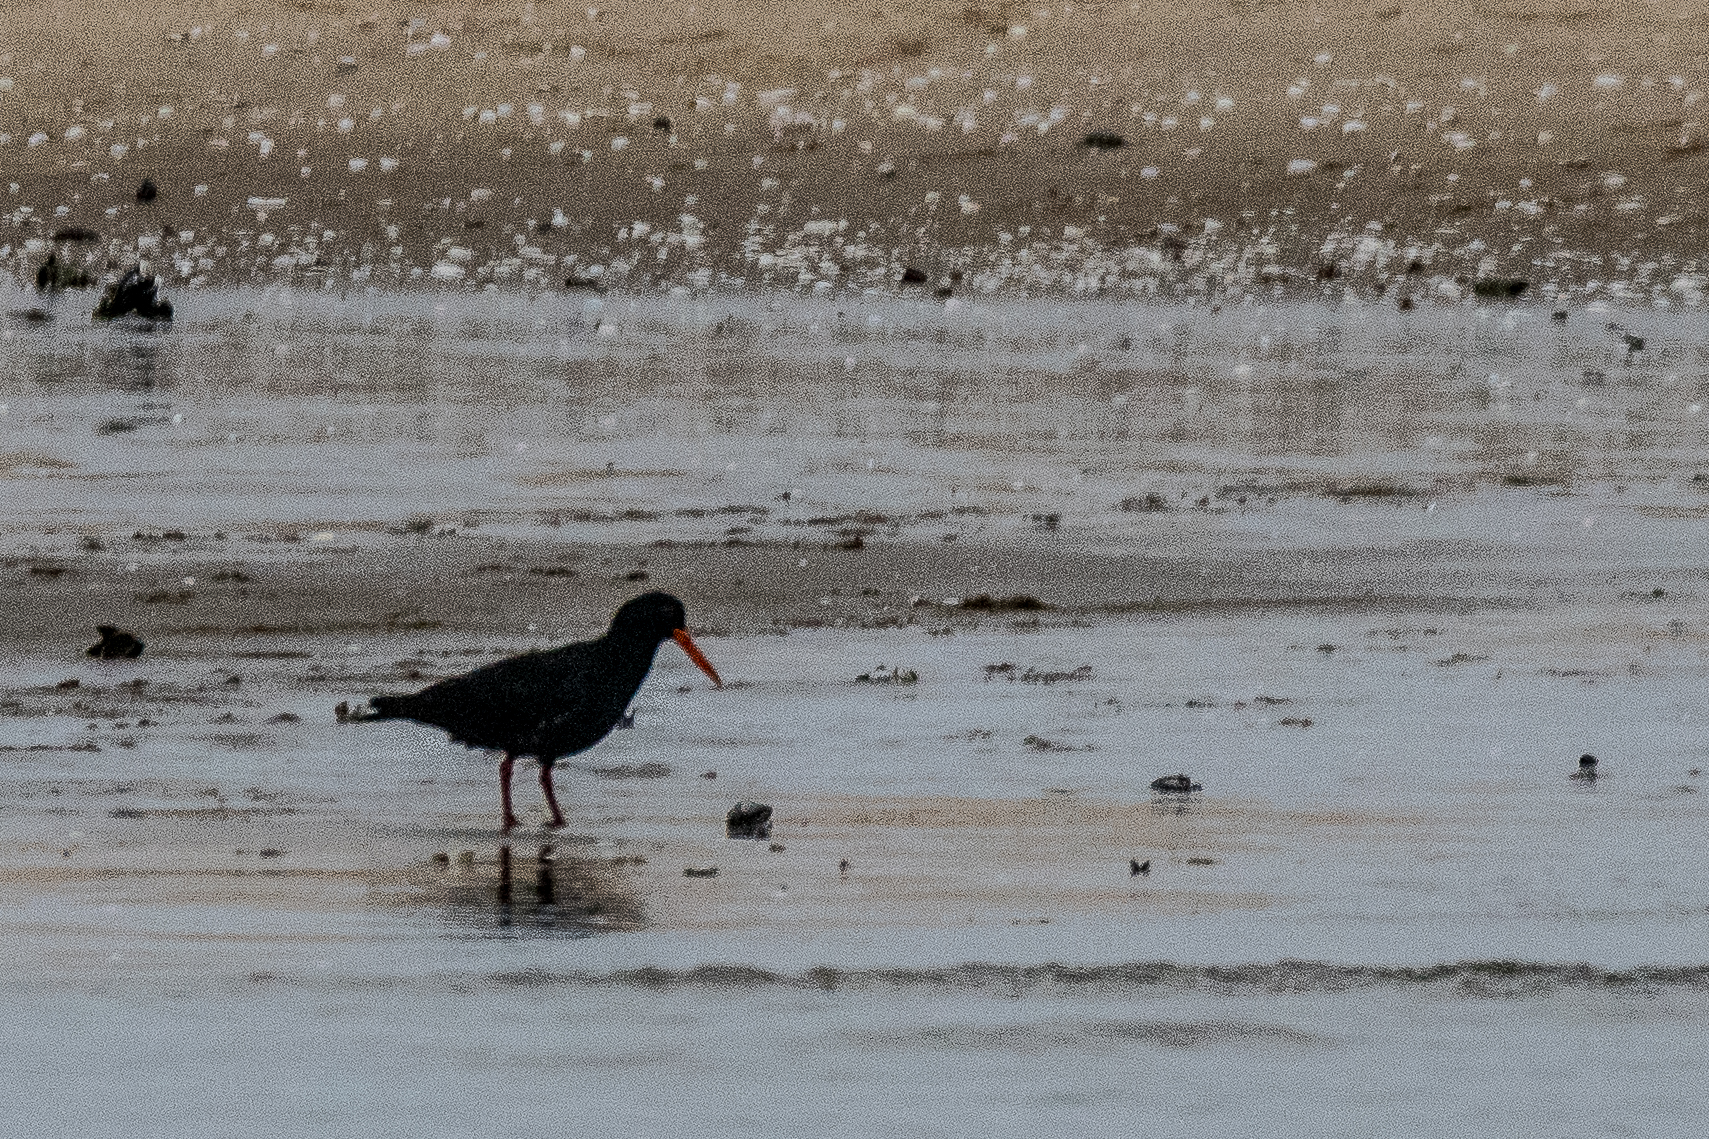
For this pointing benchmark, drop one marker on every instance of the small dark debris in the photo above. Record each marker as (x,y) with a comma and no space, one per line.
(661,123)
(1034,676)
(777,848)
(53,275)
(69,683)
(1559,316)
(285,718)
(1175,784)
(440,858)
(700,872)
(1103,140)
(147,192)
(1327,649)
(748,820)
(709,775)
(636,575)
(884,674)
(270,852)
(844,867)
(115,644)
(1295,721)
(913,276)
(649,770)
(1201,862)
(1136,868)
(1586,768)
(1144,504)
(76,235)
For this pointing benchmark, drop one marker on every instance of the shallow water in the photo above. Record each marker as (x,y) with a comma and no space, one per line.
(1424,579)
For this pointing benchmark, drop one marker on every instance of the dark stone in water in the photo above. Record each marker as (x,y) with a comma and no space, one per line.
(147,192)
(748,820)
(1175,784)
(115,644)
(133,293)
(1500,288)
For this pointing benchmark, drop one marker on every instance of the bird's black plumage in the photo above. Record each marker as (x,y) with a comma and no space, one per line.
(552,703)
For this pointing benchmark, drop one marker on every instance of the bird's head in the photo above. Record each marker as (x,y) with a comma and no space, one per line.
(655,617)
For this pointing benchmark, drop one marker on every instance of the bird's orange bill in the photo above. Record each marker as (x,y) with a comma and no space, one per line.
(682,638)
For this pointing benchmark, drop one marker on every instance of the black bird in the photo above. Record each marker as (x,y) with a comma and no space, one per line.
(115,644)
(553,703)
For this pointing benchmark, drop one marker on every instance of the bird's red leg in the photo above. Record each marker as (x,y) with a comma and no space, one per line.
(504,768)
(551,796)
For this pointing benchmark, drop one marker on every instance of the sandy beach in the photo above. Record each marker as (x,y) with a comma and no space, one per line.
(1102,149)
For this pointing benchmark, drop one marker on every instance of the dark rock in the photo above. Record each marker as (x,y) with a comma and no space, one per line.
(1175,784)
(748,820)
(989,604)
(76,234)
(661,123)
(1586,768)
(147,192)
(913,276)
(1104,140)
(1500,288)
(115,644)
(1559,316)
(1136,868)
(133,293)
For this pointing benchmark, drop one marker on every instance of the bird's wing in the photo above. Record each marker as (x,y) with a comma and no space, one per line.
(500,703)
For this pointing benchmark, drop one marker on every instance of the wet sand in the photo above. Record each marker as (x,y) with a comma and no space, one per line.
(1375,582)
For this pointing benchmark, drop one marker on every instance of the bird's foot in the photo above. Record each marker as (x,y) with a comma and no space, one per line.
(556,824)
(509,824)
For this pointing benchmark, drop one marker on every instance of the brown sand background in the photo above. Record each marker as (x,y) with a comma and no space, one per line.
(756,119)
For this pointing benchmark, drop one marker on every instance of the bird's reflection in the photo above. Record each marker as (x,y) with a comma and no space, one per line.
(566,895)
